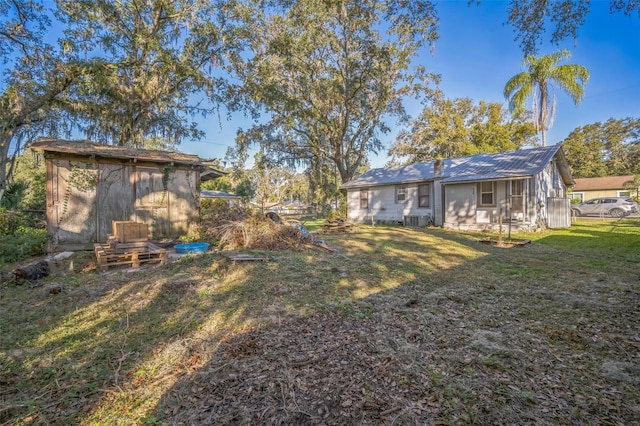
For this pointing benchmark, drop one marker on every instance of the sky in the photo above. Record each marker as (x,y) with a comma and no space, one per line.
(476,55)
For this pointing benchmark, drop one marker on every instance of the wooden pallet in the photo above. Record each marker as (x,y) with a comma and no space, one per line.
(244,257)
(108,257)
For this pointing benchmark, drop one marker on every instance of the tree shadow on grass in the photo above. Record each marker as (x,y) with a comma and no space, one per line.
(399,326)
(69,352)
(469,341)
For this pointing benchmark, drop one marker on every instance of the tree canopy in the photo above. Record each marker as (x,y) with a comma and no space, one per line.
(129,73)
(328,77)
(532,19)
(162,67)
(449,128)
(600,149)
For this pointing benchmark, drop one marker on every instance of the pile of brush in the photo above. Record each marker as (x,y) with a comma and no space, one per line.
(236,228)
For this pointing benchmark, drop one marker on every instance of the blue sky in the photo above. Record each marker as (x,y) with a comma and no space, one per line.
(476,55)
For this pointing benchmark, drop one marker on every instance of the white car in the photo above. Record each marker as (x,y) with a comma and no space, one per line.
(606,206)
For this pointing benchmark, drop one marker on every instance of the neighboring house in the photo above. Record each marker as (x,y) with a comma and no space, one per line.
(219,195)
(89,185)
(527,188)
(610,186)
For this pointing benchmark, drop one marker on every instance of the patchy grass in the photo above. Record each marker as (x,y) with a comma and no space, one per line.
(399,326)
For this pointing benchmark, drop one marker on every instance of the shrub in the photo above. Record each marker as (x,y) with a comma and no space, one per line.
(24,242)
(9,221)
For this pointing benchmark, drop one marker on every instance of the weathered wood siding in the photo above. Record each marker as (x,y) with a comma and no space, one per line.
(184,201)
(85,196)
(152,201)
(114,196)
(71,202)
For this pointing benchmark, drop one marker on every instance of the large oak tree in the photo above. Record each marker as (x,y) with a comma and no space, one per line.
(330,74)
(122,72)
(449,128)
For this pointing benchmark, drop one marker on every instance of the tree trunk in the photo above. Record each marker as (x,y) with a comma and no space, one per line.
(544,111)
(32,271)
(6,135)
(21,114)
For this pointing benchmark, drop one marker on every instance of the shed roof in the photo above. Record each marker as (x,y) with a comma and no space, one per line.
(480,167)
(88,148)
(607,182)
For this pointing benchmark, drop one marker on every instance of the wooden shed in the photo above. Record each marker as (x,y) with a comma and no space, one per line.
(89,185)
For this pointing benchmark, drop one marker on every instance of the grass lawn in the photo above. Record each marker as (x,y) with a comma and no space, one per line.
(398,326)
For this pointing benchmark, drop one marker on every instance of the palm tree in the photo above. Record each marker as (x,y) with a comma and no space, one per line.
(542,74)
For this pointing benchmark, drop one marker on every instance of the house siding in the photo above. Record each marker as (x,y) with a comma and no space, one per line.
(539,175)
(461,204)
(588,195)
(607,186)
(382,205)
(463,212)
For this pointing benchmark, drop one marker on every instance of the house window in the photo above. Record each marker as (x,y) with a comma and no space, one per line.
(486,194)
(576,197)
(624,194)
(401,194)
(517,188)
(423,195)
(364,199)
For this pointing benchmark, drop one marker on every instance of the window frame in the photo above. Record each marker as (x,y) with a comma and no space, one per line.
(364,201)
(481,193)
(401,190)
(423,196)
(580,196)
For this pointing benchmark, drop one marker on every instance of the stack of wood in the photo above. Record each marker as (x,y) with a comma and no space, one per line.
(129,246)
(337,225)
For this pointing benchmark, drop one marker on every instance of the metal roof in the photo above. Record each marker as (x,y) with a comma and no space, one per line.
(472,168)
(89,148)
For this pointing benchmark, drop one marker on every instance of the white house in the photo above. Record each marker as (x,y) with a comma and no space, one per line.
(527,188)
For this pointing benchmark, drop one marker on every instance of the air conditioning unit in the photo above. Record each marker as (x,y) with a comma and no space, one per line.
(417,221)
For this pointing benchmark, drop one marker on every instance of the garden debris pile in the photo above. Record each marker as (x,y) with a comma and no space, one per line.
(237,228)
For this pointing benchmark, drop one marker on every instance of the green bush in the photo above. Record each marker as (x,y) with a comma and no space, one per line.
(24,242)
(9,220)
